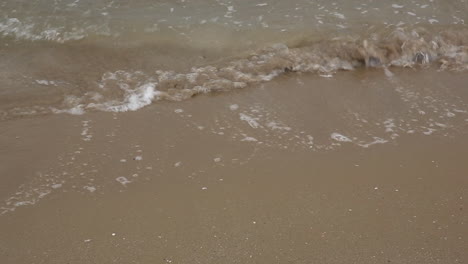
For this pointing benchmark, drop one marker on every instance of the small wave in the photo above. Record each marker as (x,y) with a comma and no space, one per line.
(120,91)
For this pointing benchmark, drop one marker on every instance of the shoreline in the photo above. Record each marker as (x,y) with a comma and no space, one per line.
(254,176)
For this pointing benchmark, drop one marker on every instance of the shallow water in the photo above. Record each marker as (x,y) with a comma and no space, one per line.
(233,131)
(80,56)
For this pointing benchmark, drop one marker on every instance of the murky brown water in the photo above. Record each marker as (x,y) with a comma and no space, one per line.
(81,56)
(232,132)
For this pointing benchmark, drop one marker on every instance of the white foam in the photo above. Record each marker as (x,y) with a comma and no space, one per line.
(138,158)
(377,140)
(25,30)
(45,82)
(397,6)
(388,73)
(124,181)
(429,131)
(275,126)
(56,186)
(77,110)
(234,107)
(90,188)
(250,120)
(134,100)
(86,135)
(389,125)
(339,15)
(328,75)
(249,139)
(340,137)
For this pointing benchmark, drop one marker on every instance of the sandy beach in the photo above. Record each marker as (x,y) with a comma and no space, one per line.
(347,170)
(222,131)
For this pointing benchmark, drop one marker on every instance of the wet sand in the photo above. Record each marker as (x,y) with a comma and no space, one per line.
(304,169)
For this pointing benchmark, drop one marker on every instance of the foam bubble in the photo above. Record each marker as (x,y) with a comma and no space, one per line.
(122,180)
(250,120)
(377,140)
(340,137)
(134,100)
(234,107)
(45,82)
(56,186)
(339,15)
(249,139)
(90,188)
(275,126)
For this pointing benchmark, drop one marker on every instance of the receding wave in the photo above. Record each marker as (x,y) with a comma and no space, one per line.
(130,88)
